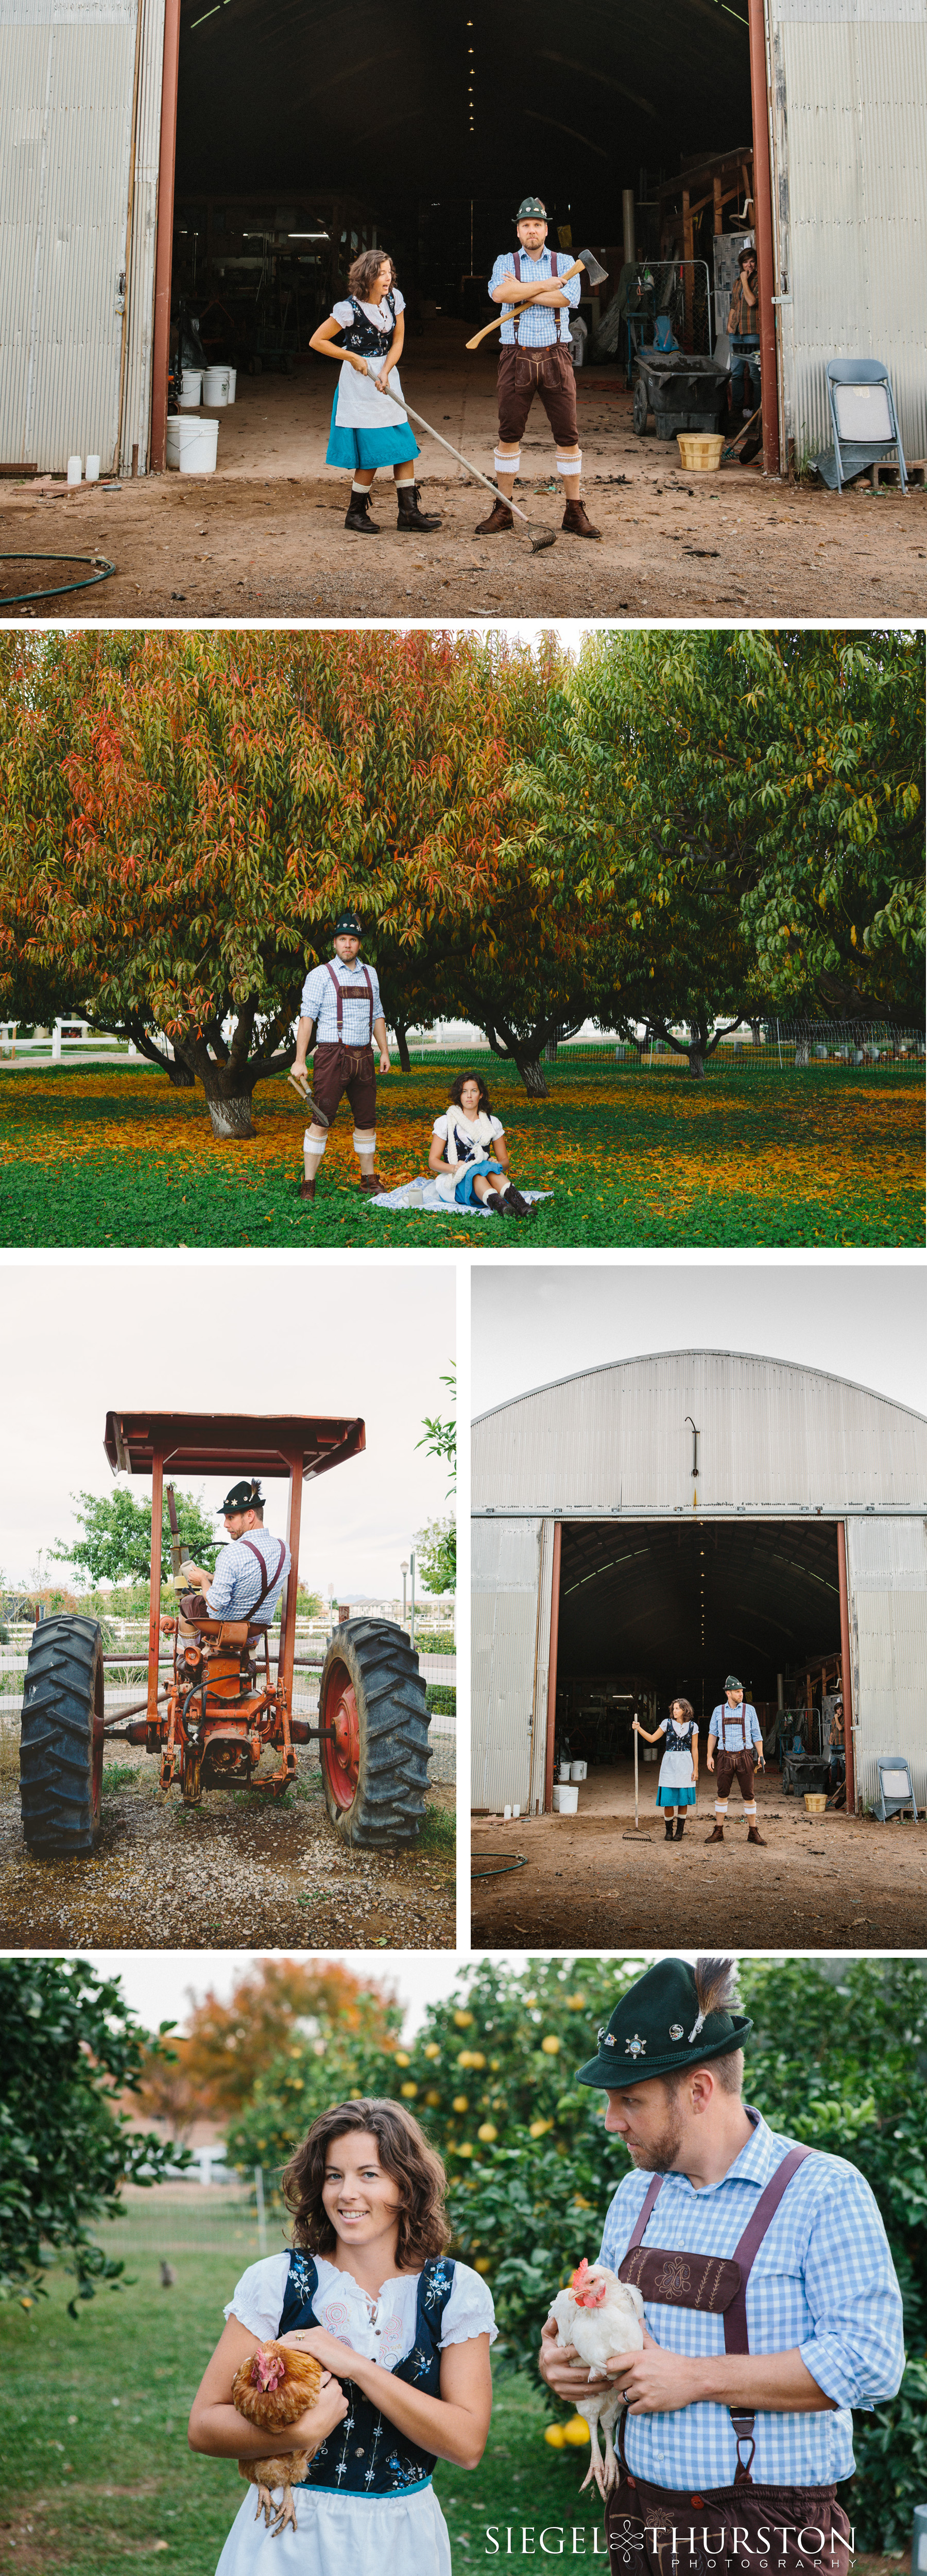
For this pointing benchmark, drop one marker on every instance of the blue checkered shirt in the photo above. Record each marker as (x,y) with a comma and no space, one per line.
(541,323)
(319,1004)
(733,1739)
(823,2283)
(236,1583)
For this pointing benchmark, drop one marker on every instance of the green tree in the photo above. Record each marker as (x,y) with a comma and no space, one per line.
(436,1554)
(439,1434)
(115,1541)
(71,2051)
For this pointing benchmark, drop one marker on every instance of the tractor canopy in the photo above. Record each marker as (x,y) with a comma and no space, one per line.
(208,1444)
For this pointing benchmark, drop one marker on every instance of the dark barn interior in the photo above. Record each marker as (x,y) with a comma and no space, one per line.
(423,128)
(686,1603)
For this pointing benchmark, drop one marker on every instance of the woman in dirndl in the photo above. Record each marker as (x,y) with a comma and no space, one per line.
(369,2290)
(678,1781)
(468,1157)
(365,329)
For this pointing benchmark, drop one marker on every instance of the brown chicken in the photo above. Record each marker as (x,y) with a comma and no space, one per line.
(273,2389)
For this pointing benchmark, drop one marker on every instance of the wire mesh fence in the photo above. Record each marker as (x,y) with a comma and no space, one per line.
(763,1046)
(227,2216)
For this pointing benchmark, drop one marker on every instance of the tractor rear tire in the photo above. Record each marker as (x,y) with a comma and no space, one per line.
(376,1775)
(61,1746)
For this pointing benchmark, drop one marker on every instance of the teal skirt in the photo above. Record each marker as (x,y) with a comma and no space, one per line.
(368,448)
(676,1797)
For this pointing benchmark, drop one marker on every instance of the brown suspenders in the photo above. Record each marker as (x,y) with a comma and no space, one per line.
(269,1579)
(516,317)
(355,993)
(705,2281)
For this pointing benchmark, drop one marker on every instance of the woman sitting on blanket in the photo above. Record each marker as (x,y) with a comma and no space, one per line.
(460,1156)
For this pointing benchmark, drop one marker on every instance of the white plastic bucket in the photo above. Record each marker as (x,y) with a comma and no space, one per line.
(564,1770)
(577,1770)
(75,469)
(650,1753)
(93,469)
(566,1801)
(232,374)
(216,388)
(192,445)
(190,389)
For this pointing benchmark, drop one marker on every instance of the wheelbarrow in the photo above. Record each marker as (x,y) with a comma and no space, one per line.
(682,392)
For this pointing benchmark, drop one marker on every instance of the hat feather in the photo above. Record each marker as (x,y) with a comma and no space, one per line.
(715,1990)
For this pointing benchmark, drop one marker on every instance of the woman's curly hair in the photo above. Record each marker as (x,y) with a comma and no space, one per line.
(685,1705)
(404,2154)
(456,1090)
(364,272)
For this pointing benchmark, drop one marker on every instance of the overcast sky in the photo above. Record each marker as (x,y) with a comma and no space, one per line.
(366,1338)
(858,1319)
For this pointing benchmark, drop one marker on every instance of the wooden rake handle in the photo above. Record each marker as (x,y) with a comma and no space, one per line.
(505,315)
(455,451)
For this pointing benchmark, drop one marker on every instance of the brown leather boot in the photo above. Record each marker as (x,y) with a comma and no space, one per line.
(372,1185)
(575,522)
(307,1189)
(717,1836)
(500,517)
(754,1836)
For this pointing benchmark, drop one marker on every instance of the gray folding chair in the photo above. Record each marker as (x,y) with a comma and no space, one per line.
(863,419)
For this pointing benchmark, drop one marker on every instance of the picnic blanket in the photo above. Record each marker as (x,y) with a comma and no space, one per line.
(421,1195)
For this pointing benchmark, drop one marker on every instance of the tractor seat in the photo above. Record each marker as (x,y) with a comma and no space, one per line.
(221,1632)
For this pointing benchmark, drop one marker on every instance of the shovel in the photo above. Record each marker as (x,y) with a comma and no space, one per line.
(596,275)
(540,537)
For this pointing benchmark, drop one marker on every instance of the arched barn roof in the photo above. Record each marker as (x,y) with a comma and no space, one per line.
(773,1436)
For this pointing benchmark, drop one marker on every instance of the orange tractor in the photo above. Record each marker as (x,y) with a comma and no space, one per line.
(220,1698)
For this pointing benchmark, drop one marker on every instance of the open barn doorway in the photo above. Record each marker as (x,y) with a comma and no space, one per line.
(651,1610)
(307,132)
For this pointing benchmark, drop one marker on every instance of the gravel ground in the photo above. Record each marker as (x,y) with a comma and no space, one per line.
(237,1872)
(832,1882)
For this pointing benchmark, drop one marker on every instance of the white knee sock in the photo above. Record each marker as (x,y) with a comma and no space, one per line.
(313,1150)
(721,1809)
(506,464)
(365,1146)
(570,467)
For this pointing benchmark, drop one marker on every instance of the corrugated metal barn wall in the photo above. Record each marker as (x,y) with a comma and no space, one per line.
(887,1581)
(136,400)
(848,120)
(67,81)
(511,1596)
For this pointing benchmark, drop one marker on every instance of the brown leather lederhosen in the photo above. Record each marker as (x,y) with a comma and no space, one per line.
(659,2521)
(734,1766)
(337,1069)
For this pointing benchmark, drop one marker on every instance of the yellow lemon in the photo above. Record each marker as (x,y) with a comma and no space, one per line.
(537,2128)
(464,2057)
(551,2046)
(556,2436)
(576,2431)
(401,2058)
(461,2102)
(487,2132)
(463,2021)
(482,2263)
(432,2049)
(465,2148)
(408,2092)
(434,2101)
(576,2003)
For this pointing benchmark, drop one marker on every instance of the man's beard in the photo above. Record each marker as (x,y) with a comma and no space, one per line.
(660,2156)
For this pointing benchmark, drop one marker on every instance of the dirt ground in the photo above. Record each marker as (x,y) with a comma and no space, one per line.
(236,1872)
(831,1882)
(264,536)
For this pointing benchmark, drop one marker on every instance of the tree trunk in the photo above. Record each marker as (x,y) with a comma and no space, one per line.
(179,1075)
(401,1041)
(532,1074)
(230,1114)
(696,1063)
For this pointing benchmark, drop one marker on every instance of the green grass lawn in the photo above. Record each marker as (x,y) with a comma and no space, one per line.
(103,1158)
(93,2431)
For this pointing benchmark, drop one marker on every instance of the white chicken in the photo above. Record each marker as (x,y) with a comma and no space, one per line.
(599,2315)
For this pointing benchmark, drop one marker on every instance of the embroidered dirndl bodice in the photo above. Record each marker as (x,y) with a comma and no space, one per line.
(678,1738)
(367,2455)
(366,338)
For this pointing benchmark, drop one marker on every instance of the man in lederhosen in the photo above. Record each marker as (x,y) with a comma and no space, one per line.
(733,1734)
(771,2306)
(341,1005)
(534,358)
(250,1572)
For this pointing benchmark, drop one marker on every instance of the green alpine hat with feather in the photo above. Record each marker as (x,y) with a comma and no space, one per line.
(675,2016)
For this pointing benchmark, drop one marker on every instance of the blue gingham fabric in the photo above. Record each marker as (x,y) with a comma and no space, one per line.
(236,1583)
(541,323)
(729,1718)
(823,2283)
(319,1004)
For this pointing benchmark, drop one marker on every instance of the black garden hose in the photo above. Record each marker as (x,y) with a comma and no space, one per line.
(20,597)
(510,1862)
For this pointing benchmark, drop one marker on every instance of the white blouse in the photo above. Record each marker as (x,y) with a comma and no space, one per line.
(358,404)
(382,2329)
(471,1136)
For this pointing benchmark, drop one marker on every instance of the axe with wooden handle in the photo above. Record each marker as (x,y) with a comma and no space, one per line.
(596,275)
